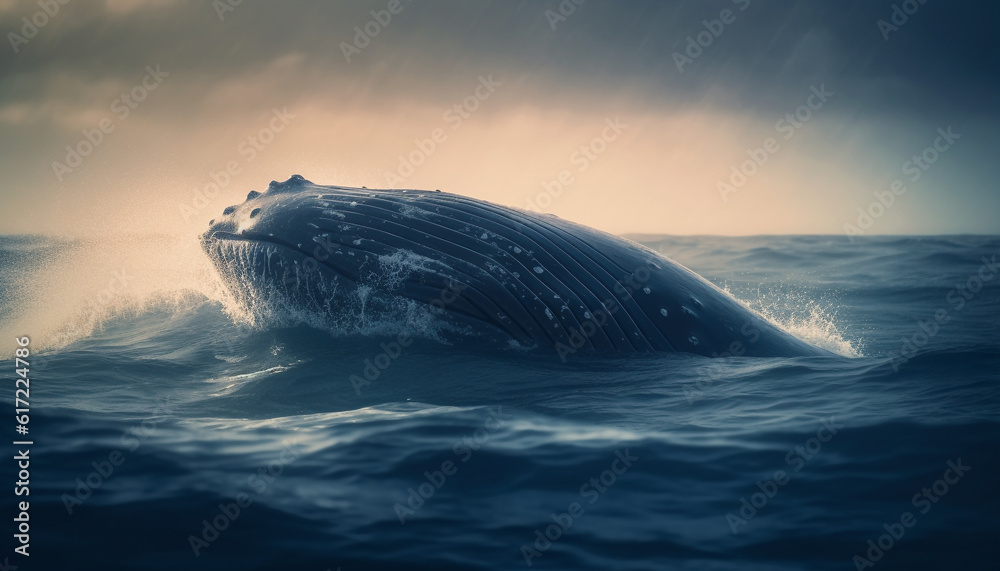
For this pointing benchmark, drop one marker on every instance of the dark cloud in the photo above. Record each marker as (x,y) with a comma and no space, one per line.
(942,58)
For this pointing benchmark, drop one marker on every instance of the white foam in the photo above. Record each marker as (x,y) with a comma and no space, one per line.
(88,282)
(804,318)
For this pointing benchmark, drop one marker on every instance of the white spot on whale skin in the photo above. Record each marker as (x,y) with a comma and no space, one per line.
(548,313)
(663,312)
(484,236)
(647,290)
(587,315)
(539,270)
(357,242)
(354,203)
(517,275)
(687,310)
(517,250)
(693,340)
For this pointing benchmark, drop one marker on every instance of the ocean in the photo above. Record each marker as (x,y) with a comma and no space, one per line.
(171,430)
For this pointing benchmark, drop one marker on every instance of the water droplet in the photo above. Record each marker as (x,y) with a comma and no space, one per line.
(517,250)
(539,269)
(646,290)
(663,312)
(693,340)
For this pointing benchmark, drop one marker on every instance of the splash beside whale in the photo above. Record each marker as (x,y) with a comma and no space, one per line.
(361,261)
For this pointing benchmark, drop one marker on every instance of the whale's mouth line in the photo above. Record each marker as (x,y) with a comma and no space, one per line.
(259,239)
(220,235)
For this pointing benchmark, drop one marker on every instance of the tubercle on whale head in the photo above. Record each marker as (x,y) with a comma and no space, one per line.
(294,182)
(239,218)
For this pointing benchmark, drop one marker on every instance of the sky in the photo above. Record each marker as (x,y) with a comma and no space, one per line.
(728,117)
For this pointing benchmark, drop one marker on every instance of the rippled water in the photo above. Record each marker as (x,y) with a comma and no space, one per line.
(168,434)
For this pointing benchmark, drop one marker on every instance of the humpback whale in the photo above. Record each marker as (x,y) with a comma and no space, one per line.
(387,261)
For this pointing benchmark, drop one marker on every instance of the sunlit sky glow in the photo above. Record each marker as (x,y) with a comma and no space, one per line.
(553,91)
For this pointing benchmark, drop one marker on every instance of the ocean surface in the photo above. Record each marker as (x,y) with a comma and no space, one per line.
(172,431)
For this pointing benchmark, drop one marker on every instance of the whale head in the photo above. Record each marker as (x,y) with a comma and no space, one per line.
(307,248)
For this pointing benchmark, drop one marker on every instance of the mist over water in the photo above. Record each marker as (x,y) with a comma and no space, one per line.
(139,349)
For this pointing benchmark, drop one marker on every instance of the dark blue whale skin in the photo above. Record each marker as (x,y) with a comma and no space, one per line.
(388,261)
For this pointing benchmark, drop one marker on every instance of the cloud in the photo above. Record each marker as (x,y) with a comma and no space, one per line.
(604,59)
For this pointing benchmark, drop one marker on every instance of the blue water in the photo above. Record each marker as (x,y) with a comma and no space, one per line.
(138,358)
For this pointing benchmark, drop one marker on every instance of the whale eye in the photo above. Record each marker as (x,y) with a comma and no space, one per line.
(254,212)
(229,210)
